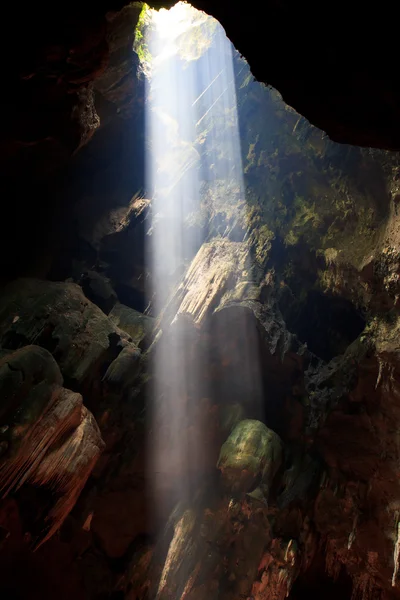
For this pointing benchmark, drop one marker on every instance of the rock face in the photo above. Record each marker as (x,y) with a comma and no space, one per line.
(137,325)
(118,82)
(210,277)
(98,288)
(59,317)
(49,439)
(123,371)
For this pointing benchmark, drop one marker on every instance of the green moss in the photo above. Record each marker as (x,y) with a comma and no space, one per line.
(251,157)
(140,44)
(264,237)
(251,451)
(304,187)
(306,219)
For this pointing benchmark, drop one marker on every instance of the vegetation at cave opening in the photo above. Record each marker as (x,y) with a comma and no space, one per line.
(324,203)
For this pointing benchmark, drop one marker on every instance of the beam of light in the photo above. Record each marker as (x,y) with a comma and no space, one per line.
(193,164)
(211,107)
(206,90)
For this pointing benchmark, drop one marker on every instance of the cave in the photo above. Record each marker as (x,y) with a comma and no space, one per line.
(199,303)
(327,324)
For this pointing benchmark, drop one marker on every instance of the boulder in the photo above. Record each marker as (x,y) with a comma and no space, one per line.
(58,317)
(124,369)
(251,454)
(135,323)
(97,287)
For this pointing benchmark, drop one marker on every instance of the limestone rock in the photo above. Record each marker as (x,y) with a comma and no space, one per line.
(278,569)
(136,324)
(22,369)
(213,272)
(123,370)
(49,438)
(98,289)
(58,317)
(252,451)
(118,83)
(197,540)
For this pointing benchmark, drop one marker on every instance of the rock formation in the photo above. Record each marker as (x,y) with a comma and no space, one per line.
(50,440)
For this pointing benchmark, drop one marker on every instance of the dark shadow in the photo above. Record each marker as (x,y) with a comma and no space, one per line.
(328,324)
(316,584)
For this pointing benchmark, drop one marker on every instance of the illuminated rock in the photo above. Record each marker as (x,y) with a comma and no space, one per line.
(49,438)
(136,324)
(252,452)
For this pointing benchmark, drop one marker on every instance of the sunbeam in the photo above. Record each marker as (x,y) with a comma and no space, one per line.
(207,348)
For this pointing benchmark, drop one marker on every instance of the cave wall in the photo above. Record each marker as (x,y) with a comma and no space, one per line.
(332,78)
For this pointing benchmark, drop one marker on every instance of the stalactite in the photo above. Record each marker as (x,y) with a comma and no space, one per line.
(396,556)
(67,468)
(352,535)
(54,443)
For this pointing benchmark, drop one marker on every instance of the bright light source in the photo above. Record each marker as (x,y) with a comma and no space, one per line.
(173,22)
(194,168)
(178,31)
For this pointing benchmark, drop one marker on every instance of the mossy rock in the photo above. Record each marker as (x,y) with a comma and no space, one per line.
(136,324)
(251,454)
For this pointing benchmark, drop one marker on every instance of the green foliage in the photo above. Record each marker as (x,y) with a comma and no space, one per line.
(251,157)
(140,44)
(264,238)
(306,218)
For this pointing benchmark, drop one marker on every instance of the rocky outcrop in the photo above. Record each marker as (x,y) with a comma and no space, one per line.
(49,439)
(99,290)
(117,85)
(359,494)
(123,370)
(137,325)
(58,317)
